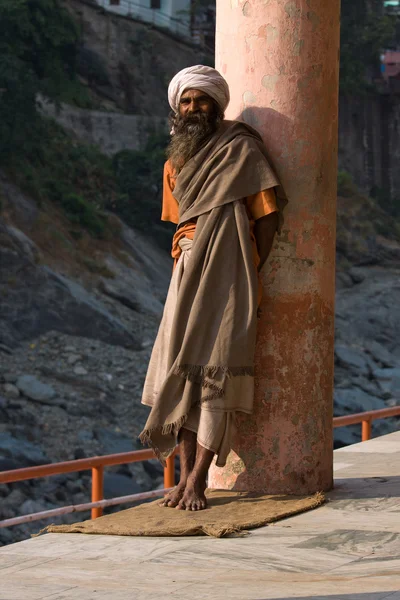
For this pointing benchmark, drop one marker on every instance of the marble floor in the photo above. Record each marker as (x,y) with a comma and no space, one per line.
(349,549)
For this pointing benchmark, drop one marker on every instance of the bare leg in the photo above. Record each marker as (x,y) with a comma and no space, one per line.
(187,457)
(194,497)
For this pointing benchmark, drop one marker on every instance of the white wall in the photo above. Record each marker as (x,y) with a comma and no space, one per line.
(165,17)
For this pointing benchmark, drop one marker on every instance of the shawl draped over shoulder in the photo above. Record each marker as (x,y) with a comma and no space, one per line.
(208,354)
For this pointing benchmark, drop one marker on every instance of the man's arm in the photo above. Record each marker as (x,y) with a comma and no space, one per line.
(264,231)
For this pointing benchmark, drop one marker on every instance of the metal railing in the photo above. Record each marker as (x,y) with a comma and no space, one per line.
(366,419)
(97,464)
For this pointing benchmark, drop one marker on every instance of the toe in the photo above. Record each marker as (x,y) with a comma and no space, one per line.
(181,505)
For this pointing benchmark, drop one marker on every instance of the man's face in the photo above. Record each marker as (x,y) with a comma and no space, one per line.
(197,119)
(195,102)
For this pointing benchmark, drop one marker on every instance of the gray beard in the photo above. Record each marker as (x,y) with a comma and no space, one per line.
(190,134)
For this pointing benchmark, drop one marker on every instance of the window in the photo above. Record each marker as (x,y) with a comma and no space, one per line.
(155,3)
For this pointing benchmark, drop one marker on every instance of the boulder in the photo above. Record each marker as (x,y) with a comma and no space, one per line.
(35,299)
(131,288)
(380,354)
(388,381)
(20,452)
(370,312)
(113,442)
(357,275)
(352,358)
(118,485)
(33,506)
(370,387)
(355,400)
(34,389)
(10,390)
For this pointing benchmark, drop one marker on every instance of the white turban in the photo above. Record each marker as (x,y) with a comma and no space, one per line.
(202,78)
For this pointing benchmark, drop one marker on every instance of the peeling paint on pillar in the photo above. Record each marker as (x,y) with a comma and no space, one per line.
(280,58)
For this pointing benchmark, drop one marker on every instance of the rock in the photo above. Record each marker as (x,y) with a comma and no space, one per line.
(380,354)
(24,453)
(34,389)
(113,442)
(40,300)
(130,289)
(153,468)
(79,370)
(118,485)
(7,536)
(10,390)
(85,435)
(24,207)
(347,401)
(147,343)
(370,312)
(114,292)
(4,490)
(106,377)
(15,498)
(33,506)
(9,377)
(393,402)
(5,349)
(344,436)
(356,401)
(388,381)
(75,487)
(357,275)
(370,387)
(28,247)
(352,358)
(73,358)
(7,464)
(79,453)
(343,280)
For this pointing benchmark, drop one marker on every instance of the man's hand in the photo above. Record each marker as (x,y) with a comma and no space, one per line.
(264,231)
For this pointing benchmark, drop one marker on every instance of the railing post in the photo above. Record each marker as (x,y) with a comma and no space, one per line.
(97,489)
(366,428)
(169,472)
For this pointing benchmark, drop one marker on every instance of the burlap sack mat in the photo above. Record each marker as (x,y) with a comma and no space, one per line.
(228,512)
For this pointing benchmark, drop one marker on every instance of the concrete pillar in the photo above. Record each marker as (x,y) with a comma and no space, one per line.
(280,59)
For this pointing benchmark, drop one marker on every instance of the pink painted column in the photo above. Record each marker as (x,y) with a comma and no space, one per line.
(280,58)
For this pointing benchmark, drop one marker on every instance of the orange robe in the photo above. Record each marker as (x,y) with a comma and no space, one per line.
(259,205)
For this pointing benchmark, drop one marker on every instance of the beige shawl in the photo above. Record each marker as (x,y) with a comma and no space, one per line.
(207,352)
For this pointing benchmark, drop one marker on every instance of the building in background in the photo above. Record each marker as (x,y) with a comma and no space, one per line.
(390,61)
(392,6)
(173,15)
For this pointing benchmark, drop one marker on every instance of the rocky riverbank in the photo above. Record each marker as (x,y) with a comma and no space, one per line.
(75,347)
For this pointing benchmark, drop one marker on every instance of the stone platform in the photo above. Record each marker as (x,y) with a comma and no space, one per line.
(348,549)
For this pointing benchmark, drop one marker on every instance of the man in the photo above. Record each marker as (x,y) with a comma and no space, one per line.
(219,190)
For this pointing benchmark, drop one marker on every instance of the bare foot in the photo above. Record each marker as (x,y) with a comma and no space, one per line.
(173,498)
(193,497)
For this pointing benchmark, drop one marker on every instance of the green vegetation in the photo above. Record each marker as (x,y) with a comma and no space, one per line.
(39,42)
(40,53)
(345,184)
(77,177)
(139,180)
(365,32)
